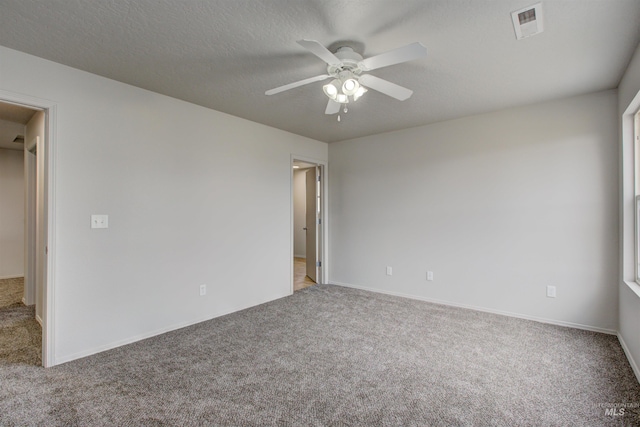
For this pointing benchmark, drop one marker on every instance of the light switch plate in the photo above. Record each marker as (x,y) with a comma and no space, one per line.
(99,221)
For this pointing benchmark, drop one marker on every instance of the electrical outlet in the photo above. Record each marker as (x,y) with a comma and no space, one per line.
(389,271)
(551,291)
(430,275)
(203,290)
(99,221)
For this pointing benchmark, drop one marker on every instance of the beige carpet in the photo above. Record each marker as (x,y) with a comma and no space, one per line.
(332,356)
(11,291)
(20,333)
(20,337)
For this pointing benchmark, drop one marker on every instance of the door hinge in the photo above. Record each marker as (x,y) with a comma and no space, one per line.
(318,178)
(319,220)
(319,264)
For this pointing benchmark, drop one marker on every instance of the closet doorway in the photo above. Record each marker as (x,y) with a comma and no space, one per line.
(38,232)
(22,230)
(308,189)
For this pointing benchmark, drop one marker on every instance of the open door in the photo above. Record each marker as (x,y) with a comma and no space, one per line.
(314,224)
(31,199)
(35,168)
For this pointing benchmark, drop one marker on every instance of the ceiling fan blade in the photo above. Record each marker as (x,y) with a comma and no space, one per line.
(332,107)
(320,51)
(395,56)
(386,87)
(296,84)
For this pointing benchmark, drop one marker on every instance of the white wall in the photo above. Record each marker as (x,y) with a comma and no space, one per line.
(193,196)
(498,206)
(11,213)
(299,213)
(629,293)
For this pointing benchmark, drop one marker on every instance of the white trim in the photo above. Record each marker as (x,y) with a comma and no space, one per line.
(325,215)
(627,214)
(627,191)
(39,320)
(48,306)
(48,352)
(11,277)
(482,309)
(627,353)
(635,288)
(300,256)
(160,331)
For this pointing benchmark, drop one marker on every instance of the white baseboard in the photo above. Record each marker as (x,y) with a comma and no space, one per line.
(19,276)
(160,331)
(39,320)
(300,256)
(24,301)
(483,309)
(627,353)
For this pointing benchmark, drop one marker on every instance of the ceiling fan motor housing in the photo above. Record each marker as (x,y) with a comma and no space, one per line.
(349,65)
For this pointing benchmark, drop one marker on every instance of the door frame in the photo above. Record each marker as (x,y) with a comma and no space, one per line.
(48,294)
(313,239)
(324,209)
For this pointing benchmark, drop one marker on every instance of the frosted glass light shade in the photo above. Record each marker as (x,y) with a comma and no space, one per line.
(350,87)
(331,89)
(361,91)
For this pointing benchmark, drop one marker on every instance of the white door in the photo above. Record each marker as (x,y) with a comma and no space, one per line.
(313,218)
(30,184)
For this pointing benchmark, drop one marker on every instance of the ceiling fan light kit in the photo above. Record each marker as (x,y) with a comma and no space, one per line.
(346,67)
(340,90)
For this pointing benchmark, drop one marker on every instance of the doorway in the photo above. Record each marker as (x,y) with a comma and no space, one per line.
(308,206)
(36,118)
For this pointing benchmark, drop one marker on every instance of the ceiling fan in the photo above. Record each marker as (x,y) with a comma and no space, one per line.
(347,70)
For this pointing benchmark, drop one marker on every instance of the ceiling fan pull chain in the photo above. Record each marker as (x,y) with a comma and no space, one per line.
(338,117)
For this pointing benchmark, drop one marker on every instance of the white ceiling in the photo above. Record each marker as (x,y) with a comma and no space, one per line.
(224,54)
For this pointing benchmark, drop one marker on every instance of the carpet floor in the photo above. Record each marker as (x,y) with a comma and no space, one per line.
(335,356)
(20,333)
(11,291)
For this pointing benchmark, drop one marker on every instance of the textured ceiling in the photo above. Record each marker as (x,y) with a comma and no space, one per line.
(224,54)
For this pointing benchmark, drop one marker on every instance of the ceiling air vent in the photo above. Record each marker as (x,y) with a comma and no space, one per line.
(528,21)
(19,139)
